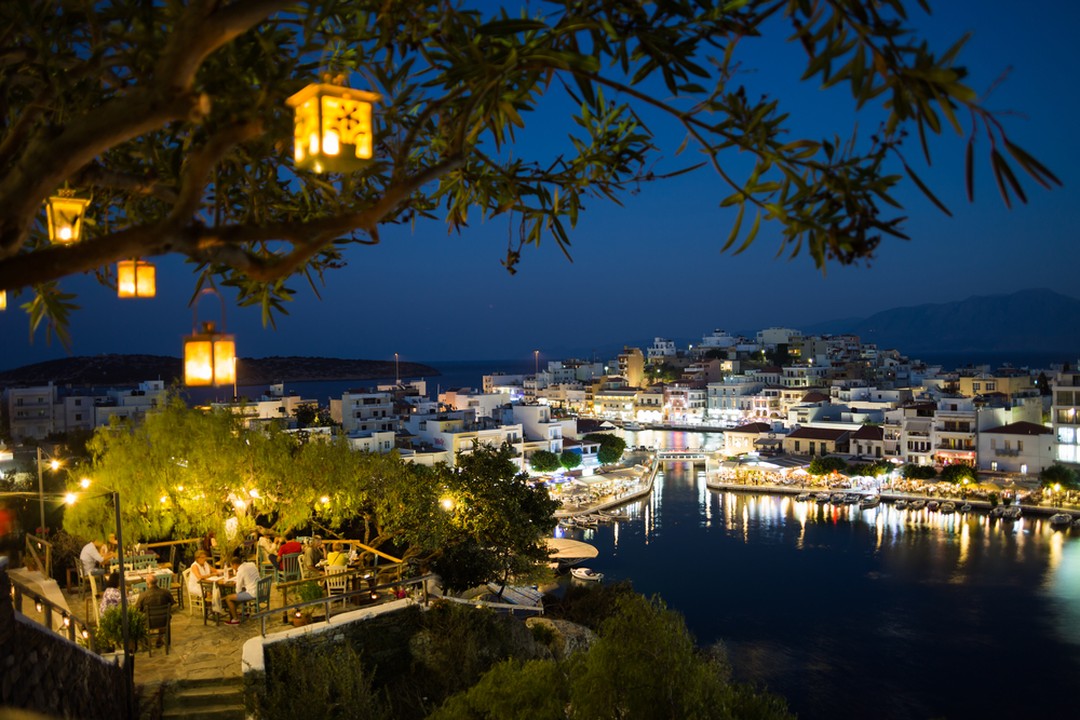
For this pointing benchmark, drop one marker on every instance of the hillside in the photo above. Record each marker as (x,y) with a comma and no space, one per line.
(131,369)
(1029,320)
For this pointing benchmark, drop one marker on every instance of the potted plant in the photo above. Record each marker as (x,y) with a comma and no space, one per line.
(305,592)
(110,631)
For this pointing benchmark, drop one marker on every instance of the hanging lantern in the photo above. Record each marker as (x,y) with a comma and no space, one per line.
(135,278)
(332,129)
(65,213)
(209,355)
(3,299)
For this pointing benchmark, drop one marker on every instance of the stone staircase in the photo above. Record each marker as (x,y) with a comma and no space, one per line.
(208,699)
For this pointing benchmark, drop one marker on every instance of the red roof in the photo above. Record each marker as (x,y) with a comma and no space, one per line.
(869,432)
(809,433)
(814,396)
(754,427)
(1022,428)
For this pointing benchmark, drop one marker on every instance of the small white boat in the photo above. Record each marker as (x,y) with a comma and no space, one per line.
(851,498)
(837,498)
(584,573)
(917,504)
(901,504)
(870,501)
(802,497)
(822,498)
(1061,520)
(948,508)
(633,426)
(615,516)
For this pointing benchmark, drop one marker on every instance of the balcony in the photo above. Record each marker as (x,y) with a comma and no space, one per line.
(1006,452)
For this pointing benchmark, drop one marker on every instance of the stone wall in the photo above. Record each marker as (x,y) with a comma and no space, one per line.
(46,673)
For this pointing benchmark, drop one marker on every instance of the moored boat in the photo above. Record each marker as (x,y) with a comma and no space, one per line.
(837,498)
(851,498)
(1061,520)
(822,498)
(917,504)
(901,504)
(997,511)
(1013,512)
(965,508)
(933,505)
(870,501)
(802,497)
(584,573)
(948,508)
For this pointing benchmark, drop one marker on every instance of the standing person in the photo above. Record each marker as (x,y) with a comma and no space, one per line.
(247,582)
(92,558)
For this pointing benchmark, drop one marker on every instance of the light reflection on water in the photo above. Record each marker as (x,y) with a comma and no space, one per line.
(853,612)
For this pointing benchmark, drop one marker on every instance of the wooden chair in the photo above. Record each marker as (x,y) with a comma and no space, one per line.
(290,568)
(336,585)
(261,601)
(80,572)
(93,599)
(158,626)
(196,601)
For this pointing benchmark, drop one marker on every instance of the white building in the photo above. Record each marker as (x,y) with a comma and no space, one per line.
(482,404)
(1021,447)
(660,350)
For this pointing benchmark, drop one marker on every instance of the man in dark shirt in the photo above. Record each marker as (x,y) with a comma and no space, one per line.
(154,596)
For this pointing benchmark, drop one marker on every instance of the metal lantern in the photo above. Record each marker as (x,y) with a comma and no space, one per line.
(209,355)
(65,213)
(135,278)
(3,299)
(332,129)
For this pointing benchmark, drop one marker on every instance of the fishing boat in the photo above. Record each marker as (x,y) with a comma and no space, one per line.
(917,504)
(1061,520)
(870,501)
(965,508)
(1013,512)
(802,497)
(948,508)
(584,573)
(901,504)
(932,505)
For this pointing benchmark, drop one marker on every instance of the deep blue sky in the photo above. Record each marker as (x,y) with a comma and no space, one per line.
(654,267)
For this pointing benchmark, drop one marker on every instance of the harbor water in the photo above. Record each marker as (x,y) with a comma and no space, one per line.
(853,613)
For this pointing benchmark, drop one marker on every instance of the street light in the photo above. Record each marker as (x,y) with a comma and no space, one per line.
(54,465)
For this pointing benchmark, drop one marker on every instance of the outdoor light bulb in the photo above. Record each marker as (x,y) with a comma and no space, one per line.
(70,498)
(324,499)
(313,143)
(85,634)
(37,606)
(180,488)
(164,499)
(447,504)
(54,464)
(253,492)
(331,143)
(84,483)
(64,233)
(67,621)
(239,504)
(374,596)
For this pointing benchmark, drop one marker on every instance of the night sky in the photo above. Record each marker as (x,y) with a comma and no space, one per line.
(654,267)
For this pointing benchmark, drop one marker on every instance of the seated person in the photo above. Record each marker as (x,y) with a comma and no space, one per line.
(338,556)
(313,555)
(200,570)
(93,558)
(111,596)
(153,595)
(247,581)
(269,546)
(290,547)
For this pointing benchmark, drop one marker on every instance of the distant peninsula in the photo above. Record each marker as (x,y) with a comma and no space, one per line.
(133,369)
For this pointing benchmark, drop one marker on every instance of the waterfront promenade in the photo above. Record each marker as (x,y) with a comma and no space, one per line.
(618,488)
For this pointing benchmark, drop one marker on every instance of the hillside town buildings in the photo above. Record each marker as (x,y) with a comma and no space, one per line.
(777,392)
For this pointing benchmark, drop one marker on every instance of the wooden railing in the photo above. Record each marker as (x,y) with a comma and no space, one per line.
(40,550)
(75,628)
(325,602)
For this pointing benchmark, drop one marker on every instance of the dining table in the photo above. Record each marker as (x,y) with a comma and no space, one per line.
(224,586)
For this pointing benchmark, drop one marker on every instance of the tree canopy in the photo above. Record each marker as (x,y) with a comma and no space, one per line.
(173,116)
(184,473)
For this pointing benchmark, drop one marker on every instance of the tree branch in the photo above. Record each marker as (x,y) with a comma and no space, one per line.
(201,163)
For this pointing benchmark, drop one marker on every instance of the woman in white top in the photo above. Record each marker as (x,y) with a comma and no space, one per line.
(200,570)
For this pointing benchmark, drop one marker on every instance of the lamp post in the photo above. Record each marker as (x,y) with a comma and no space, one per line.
(124,632)
(41,484)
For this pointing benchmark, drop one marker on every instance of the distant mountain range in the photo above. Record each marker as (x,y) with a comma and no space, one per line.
(1027,320)
(132,369)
